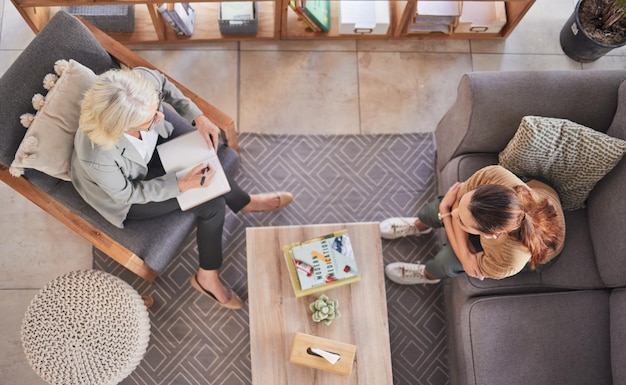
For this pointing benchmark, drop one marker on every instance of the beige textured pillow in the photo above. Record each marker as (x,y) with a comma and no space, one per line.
(569,156)
(49,140)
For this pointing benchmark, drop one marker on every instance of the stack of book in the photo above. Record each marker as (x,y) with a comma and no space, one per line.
(321,263)
(315,13)
(180,16)
(436,16)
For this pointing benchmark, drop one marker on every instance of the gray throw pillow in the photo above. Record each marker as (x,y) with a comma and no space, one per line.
(569,156)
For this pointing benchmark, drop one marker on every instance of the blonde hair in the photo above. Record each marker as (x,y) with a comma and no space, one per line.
(117,101)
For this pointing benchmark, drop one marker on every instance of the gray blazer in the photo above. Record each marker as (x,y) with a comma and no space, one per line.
(112,180)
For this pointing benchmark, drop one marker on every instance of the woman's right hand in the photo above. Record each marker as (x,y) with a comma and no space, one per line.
(470,265)
(198,177)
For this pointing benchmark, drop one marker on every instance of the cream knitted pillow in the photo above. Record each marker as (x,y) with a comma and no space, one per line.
(569,156)
(49,140)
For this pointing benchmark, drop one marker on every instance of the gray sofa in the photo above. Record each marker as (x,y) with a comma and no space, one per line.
(567,324)
(144,246)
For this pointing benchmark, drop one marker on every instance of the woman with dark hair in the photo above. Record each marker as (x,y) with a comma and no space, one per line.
(496,225)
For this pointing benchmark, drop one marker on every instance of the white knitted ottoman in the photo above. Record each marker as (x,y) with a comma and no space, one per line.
(85,327)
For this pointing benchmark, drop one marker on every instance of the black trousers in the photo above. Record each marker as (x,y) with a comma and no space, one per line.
(209,216)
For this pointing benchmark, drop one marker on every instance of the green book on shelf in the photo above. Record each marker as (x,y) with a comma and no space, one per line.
(319,12)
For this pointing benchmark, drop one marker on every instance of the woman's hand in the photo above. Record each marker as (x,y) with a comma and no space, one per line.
(209,131)
(450,199)
(198,177)
(470,265)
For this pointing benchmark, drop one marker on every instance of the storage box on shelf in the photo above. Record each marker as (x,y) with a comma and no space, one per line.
(238,18)
(276,20)
(482,17)
(108,18)
(364,17)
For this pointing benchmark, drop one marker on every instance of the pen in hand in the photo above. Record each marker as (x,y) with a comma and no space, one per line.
(204,171)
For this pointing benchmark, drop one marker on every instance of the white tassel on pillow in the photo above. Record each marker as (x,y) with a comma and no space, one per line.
(16,171)
(29,145)
(38,101)
(60,66)
(25,154)
(27,119)
(49,81)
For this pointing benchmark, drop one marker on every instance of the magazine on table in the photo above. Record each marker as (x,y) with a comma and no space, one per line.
(321,263)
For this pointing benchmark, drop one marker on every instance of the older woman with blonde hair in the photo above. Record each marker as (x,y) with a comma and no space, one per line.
(115,168)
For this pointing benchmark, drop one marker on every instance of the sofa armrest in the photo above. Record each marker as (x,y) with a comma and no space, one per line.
(490,106)
(125,56)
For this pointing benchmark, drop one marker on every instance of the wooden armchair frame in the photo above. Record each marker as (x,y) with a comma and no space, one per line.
(103,242)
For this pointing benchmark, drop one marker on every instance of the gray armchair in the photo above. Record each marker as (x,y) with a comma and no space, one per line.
(145,247)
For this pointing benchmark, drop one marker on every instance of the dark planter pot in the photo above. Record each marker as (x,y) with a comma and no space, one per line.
(578,45)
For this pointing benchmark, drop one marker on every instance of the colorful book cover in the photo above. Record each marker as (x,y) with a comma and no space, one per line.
(319,12)
(296,5)
(321,263)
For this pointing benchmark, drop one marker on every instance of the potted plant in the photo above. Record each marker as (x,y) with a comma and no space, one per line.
(595,28)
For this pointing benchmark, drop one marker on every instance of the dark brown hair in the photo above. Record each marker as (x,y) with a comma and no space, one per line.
(515,211)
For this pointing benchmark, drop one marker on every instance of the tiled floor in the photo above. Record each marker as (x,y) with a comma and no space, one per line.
(353,87)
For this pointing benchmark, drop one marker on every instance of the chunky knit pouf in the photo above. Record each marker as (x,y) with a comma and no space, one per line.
(85,327)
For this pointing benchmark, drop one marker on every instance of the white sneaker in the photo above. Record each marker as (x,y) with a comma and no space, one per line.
(393,228)
(407,273)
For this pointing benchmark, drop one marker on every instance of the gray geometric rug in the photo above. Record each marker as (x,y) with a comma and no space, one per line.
(352,178)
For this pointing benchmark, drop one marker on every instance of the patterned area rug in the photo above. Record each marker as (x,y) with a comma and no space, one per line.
(334,179)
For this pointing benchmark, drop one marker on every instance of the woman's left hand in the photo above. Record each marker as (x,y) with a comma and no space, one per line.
(209,131)
(450,199)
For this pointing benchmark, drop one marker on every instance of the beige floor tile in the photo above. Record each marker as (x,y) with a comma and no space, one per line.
(14,368)
(299,45)
(407,92)
(537,33)
(621,51)
(210,74)
(35,247)
(16,34)
(414,45)
(204,46)
(7,58)
(299,92)
(607,63)
(510,62)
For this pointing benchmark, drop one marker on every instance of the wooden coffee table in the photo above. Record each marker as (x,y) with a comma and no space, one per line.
(276,315)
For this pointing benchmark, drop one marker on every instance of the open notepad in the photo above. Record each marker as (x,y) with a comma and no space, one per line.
(185,152)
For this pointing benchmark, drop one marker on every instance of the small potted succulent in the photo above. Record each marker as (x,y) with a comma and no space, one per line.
(594,29)
(325,310)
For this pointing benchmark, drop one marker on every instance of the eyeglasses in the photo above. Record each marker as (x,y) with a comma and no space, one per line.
(156,114)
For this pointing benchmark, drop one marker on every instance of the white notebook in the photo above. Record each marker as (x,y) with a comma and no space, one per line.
(183,153)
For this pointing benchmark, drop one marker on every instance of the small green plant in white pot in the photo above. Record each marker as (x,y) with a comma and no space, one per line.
(325,310)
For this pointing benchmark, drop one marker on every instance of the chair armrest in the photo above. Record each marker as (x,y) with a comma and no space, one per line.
(490,106)
(127,57)
(79,225)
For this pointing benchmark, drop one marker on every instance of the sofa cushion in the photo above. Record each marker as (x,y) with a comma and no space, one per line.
(539,339)
(23,78)
(55,124)
(618,125)
(574,269)
(569,156)
(607,221)
(618,335)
